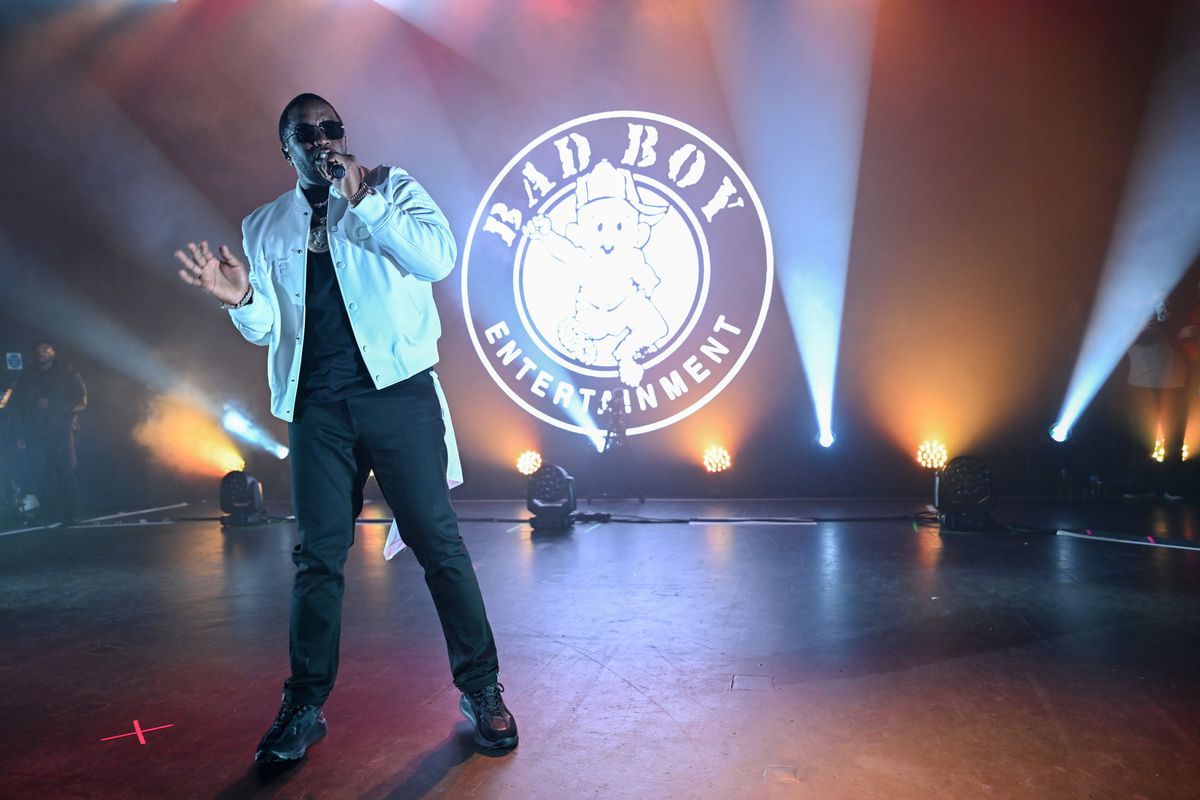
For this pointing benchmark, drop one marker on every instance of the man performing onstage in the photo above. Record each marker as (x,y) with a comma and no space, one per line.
(339,289)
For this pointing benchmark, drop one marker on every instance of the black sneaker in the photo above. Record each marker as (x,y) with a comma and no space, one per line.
(495,728)
(295,729)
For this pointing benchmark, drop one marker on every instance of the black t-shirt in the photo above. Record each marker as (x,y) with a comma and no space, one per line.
(331,367)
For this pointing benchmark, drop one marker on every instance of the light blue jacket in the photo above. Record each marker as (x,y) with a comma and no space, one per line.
(386,252)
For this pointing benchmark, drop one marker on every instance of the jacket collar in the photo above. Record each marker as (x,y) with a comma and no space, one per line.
(301,202)
(374,177)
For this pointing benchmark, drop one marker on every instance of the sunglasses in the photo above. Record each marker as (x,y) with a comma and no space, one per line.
(307,134)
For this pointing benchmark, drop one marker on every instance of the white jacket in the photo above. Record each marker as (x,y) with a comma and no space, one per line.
(386,252)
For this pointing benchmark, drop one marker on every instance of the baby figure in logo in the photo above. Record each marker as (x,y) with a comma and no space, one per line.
(614,316)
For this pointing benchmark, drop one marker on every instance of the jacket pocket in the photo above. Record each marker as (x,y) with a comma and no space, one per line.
(287,278)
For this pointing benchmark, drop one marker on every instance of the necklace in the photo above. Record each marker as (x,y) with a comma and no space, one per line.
(318,236)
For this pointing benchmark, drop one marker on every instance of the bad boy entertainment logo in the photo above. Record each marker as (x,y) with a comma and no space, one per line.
(621,258)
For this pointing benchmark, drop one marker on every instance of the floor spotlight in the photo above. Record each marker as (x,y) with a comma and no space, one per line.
(1059,432)
(932,454)
(550,497)
(964,495)
(717,459)
(242,501)
(529,462)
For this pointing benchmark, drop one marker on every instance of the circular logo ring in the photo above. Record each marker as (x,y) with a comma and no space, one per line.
(620,261)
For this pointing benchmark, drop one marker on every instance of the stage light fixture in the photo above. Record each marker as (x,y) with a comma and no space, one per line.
(242,501)
(932,454)
(1159,453)
(717,459)
(826,439)
(964,495)
(1184,452)
(529,462)
(1059,432)
(550,497)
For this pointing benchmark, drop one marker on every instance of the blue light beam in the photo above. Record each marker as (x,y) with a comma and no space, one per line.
(1157,234)
(798,87)
(241,426)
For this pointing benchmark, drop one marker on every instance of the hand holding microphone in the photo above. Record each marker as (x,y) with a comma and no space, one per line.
(340,169)
(333,170)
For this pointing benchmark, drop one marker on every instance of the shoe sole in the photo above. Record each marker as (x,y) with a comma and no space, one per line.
(276,756)
(507,743)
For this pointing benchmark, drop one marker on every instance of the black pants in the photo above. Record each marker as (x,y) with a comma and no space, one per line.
(52,463)
(398,432)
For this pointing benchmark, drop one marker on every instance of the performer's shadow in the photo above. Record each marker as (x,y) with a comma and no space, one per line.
(419,777)
(425,771)
(261,780)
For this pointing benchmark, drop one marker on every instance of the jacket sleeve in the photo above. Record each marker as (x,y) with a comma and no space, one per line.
(76,393)
(409,226)
(255,321)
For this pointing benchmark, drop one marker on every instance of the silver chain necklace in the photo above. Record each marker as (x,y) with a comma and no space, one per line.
(318,236)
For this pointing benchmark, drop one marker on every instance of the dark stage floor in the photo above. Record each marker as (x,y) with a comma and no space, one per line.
(864,659)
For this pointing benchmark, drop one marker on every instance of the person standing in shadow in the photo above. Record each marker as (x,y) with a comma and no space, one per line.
(47,402)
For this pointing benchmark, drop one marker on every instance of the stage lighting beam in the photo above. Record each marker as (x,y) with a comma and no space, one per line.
(243,428)
(1157,234)
(803,132)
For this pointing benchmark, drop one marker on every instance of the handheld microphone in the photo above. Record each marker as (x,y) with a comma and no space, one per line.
(336,171)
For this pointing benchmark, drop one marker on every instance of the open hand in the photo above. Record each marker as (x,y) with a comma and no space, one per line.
(223,276)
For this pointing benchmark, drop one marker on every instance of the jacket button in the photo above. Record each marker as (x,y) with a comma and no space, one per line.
(341,265)
(333,228)
(353,306)
(364,348)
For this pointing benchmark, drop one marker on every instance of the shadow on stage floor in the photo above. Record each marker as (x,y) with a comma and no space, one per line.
(857,654)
